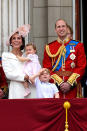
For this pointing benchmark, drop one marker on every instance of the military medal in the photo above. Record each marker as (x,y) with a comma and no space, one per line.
(72,49)
(72,65)
(72,56)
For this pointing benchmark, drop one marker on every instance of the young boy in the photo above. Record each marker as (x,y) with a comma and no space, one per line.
(44,89)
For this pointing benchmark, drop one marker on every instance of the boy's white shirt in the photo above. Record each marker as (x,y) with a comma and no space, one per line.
(45,89)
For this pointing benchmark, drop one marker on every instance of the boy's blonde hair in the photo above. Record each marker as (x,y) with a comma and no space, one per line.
(47,70)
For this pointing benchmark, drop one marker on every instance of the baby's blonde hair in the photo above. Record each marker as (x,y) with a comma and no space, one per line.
(31,44)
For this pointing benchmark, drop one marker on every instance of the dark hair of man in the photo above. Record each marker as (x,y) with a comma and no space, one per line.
(71,31)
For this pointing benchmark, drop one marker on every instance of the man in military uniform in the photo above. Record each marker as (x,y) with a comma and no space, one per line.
(3,84)
(66,60)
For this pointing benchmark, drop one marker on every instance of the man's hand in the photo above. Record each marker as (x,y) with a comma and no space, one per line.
(65,87)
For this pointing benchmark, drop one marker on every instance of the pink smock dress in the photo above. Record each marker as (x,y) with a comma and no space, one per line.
(30,68)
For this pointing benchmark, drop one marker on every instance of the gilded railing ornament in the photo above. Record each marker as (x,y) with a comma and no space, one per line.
(66,105)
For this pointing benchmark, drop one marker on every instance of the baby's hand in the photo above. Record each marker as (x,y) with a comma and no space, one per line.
(18,56)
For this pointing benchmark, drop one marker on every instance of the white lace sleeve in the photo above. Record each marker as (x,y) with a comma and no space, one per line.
(12,67)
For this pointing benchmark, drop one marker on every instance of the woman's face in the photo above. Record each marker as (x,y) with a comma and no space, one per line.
(16,41)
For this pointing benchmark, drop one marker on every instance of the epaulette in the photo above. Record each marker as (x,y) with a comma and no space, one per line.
(77,40)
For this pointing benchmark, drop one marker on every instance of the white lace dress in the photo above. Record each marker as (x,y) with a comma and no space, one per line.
(14,72)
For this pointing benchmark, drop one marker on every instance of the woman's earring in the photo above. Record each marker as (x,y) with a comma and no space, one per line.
(10,44)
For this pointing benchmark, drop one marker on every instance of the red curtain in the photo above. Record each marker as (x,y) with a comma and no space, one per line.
(42,115)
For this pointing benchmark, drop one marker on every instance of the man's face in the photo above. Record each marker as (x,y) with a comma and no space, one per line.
(61,29)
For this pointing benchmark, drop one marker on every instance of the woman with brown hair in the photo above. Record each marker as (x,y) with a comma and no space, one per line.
(12,66)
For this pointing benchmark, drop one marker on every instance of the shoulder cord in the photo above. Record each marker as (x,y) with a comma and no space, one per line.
(61,52)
